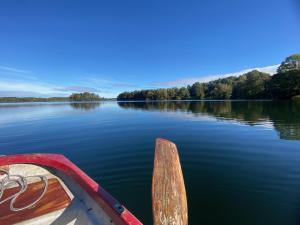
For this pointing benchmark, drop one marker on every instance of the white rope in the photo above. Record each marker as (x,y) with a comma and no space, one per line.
(21,181)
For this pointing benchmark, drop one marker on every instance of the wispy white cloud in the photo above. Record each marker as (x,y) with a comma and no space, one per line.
(11,69)
(206,78)
(15,82)
(38,89)
(11,72)
(16,85)
(77,89)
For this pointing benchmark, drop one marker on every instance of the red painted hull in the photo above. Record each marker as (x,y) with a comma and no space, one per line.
(61,163)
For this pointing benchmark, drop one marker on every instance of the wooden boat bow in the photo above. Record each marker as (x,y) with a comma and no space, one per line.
(100,198)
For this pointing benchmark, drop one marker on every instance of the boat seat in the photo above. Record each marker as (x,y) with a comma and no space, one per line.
(55,198)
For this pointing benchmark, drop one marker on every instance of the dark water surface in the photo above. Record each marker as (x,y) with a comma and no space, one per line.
(241,160)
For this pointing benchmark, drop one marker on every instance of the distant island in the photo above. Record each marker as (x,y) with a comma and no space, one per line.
(285,84)
(76,97)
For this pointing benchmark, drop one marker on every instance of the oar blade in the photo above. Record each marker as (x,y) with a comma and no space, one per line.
(169,203)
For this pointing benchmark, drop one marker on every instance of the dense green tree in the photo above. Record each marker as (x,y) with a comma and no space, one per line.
(184,93)
(85,96)
(197,91)
(290,63)
(222,91)
(158,94)
(285,85)
(252,85)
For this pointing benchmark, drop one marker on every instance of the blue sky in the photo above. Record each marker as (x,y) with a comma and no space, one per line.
(54,48)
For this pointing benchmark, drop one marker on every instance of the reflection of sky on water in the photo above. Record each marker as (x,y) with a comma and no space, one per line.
(260,114)
(267,124)
(232,154)
(21,112)
(281,116)
(25,112)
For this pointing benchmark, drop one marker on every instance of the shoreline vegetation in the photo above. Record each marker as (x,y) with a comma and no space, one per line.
(285,84)
(254,85)
(76,97)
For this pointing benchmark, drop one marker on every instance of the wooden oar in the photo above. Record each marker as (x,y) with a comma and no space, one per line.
(169,204)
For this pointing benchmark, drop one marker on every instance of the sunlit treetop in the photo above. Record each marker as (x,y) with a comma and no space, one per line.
(294,57)
(291,63)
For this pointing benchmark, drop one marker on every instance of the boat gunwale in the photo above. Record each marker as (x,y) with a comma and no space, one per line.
(59,162)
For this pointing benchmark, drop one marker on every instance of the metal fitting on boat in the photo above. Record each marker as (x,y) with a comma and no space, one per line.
(119,208)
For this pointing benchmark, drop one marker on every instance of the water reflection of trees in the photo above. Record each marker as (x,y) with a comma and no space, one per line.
(283,114)
(85,105)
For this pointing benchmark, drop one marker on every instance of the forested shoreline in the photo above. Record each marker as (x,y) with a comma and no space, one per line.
(285,84)
(252,85)
(76,97)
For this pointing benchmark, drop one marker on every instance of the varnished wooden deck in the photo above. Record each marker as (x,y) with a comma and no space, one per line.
(54,199)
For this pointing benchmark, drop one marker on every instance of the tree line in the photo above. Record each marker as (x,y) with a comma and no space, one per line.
(285,84)
(85,96)
(75,97)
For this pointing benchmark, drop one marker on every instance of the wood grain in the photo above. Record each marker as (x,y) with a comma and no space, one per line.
(54,199)
(169,203)
(4,168)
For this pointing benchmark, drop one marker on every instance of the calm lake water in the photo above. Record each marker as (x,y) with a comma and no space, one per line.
(240,159)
